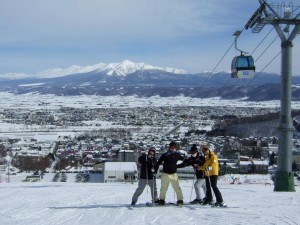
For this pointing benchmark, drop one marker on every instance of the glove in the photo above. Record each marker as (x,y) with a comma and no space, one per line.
(208,168)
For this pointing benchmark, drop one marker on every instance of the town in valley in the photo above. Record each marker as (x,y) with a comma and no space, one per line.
(92,135)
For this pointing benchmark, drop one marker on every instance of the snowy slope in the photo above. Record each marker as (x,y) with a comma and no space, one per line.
(71,203)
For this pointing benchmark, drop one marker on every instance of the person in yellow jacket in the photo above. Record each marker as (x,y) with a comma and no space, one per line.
(211,168)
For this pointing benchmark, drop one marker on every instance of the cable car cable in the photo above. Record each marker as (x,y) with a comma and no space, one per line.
(209,76)
(265,67)
(211,73)
(267,48)
(257,75)
(262,41)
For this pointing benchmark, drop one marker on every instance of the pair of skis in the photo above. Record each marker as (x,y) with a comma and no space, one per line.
(188,205)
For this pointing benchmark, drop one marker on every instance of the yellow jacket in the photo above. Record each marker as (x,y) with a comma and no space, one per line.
(211,160)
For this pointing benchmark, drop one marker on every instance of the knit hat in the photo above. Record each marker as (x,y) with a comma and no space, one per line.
(194,148)
(152,149)
(204,147)
(172,143)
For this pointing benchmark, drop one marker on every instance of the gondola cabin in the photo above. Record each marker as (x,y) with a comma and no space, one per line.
(242,67)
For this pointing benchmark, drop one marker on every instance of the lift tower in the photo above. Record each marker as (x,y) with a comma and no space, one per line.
(283,18)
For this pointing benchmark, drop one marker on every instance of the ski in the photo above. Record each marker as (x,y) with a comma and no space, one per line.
(141,205)
(213,206)
(150,204)
(194,207)
(131,207)
(217,205)
(168,204)
(200,206)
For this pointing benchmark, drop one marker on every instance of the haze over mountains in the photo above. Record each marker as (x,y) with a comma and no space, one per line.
(128,78)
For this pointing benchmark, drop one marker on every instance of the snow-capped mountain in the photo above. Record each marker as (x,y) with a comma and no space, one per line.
(120,69)
(139,79)
(128,67)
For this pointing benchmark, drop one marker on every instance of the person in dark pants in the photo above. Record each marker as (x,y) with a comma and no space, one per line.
(211,168)
(147,163)
(195,160)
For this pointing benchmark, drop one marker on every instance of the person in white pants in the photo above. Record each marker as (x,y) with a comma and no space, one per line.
(169,175)
(195,160)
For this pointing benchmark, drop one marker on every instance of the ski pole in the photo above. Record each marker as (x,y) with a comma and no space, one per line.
(147,171)
(209,182)
(153,189)
(153,184)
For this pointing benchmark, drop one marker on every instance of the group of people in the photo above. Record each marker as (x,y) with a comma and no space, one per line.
(206,168)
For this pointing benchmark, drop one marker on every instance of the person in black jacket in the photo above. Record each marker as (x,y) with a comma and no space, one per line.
(169,174)
(147,163)
(196,160)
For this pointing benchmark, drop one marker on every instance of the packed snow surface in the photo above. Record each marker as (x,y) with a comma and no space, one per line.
(45,202)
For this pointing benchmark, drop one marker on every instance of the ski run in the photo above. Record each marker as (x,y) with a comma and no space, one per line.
(69,203)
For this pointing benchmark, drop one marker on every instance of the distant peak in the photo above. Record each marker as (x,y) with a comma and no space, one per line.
(128,67)
(121,69)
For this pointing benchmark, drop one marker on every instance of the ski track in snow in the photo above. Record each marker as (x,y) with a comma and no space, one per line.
(48,203)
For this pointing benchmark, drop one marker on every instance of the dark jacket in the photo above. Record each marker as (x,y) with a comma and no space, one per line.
(148,166)
(191,161)
(169,160)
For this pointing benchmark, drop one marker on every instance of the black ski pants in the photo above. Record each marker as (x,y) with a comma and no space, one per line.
(211,183)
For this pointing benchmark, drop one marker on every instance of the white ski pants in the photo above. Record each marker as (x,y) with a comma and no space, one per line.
(166,179)
(200,188)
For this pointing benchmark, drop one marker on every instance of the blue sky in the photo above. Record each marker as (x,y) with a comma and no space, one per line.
(192,35)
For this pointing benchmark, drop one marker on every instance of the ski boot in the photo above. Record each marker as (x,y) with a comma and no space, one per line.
(207,202)
(161,202)
(196,201)
(179,203)
(220,204)
(132,204)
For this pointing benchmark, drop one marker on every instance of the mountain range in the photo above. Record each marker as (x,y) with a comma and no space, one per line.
(143,80)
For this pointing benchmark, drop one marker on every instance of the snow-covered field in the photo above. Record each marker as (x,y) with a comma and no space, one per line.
(37,101)
(45,202)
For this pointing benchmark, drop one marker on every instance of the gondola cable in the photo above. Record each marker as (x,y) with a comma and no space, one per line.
(266,48)
(262,41)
